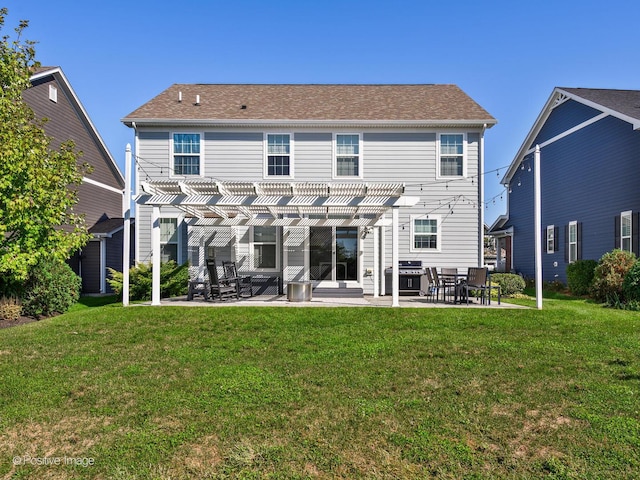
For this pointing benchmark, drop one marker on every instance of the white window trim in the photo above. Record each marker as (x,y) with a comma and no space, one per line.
(334,172)
(265,147)
(171,172)
(251,251)
(465,159)
(573,224)
(179,220)
(438,220)
(551,238)
(628,214)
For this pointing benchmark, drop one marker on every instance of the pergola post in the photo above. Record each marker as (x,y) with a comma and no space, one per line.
(155,256)
(376,262)
(395,275)
(126,235)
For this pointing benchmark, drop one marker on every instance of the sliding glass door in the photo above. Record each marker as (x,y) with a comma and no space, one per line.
(333,253)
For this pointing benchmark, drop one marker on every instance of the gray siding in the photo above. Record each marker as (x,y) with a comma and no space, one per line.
(233,155)
(313,156)
(406,156)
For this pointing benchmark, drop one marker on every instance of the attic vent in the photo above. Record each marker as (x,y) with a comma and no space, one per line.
(197,99)
(179,96)
(53,93)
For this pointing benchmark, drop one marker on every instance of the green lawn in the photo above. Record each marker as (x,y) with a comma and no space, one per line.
(233,392)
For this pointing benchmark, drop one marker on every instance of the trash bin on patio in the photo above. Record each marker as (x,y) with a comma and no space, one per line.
(299,291)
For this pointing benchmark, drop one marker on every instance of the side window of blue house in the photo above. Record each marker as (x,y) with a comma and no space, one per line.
(573,242)
(551,238)
(625,231)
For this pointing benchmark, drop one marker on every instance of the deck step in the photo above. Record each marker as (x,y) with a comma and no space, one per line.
(322,292)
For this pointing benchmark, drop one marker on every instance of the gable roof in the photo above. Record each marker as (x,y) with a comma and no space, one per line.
(622,104)
(56,72)
(300,103)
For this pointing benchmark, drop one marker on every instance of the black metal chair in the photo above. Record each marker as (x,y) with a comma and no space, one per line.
(221,287)
(477,282)
(244,283)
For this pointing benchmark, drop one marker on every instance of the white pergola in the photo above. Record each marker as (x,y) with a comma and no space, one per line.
(295,204)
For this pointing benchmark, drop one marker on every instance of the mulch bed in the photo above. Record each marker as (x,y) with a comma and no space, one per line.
(14,323)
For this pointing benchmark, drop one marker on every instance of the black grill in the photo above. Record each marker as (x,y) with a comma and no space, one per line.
(412,278)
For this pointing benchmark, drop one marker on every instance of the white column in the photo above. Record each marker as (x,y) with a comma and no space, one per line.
(383,251)
(395,277)
(376,262)
(155,255)
(538,226)
(481,206)
(126,234)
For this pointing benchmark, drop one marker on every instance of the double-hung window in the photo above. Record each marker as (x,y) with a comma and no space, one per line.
(573,241)
(279,155)
(186,153)
(625,231)
(452,155)
(347,155)
(168,239)
(265,248)
(551,239)
(424,233)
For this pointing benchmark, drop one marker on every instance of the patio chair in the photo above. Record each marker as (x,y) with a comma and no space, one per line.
(439,283)
(244,284)
(434,287)
(221,287)
(476,281)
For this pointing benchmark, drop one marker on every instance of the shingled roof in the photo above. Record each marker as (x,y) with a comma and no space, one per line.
(626,102)
(324,103)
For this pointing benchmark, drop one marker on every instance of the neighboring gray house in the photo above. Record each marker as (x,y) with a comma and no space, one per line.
(589,156)
(322,183)
(100,194)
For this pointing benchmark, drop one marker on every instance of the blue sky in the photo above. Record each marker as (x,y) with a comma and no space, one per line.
(507,55)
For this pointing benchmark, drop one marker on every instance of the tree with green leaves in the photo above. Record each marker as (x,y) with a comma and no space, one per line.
(38,184)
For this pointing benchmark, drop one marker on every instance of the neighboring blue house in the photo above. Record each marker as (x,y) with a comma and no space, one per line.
(590,177)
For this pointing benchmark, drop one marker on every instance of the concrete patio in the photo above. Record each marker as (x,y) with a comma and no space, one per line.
(366,301)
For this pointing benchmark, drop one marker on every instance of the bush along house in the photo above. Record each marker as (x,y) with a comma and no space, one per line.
(330,184)
(586,211)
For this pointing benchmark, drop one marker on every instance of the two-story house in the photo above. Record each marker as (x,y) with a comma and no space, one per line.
(100,194)
(587,209)
(321,183)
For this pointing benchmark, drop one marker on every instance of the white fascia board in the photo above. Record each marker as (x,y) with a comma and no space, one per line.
(614,113)
(535,129)
(426,123)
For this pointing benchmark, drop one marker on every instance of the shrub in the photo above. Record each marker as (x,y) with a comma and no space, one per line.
(631,284)
(609,275)
(10,308)
(510,283)
(174,280)
(580,276)
(52,287)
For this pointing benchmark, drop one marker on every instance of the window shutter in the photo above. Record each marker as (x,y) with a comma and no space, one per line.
(556,239)
(579,241)
(566,244)
(616,230)
(635,238)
